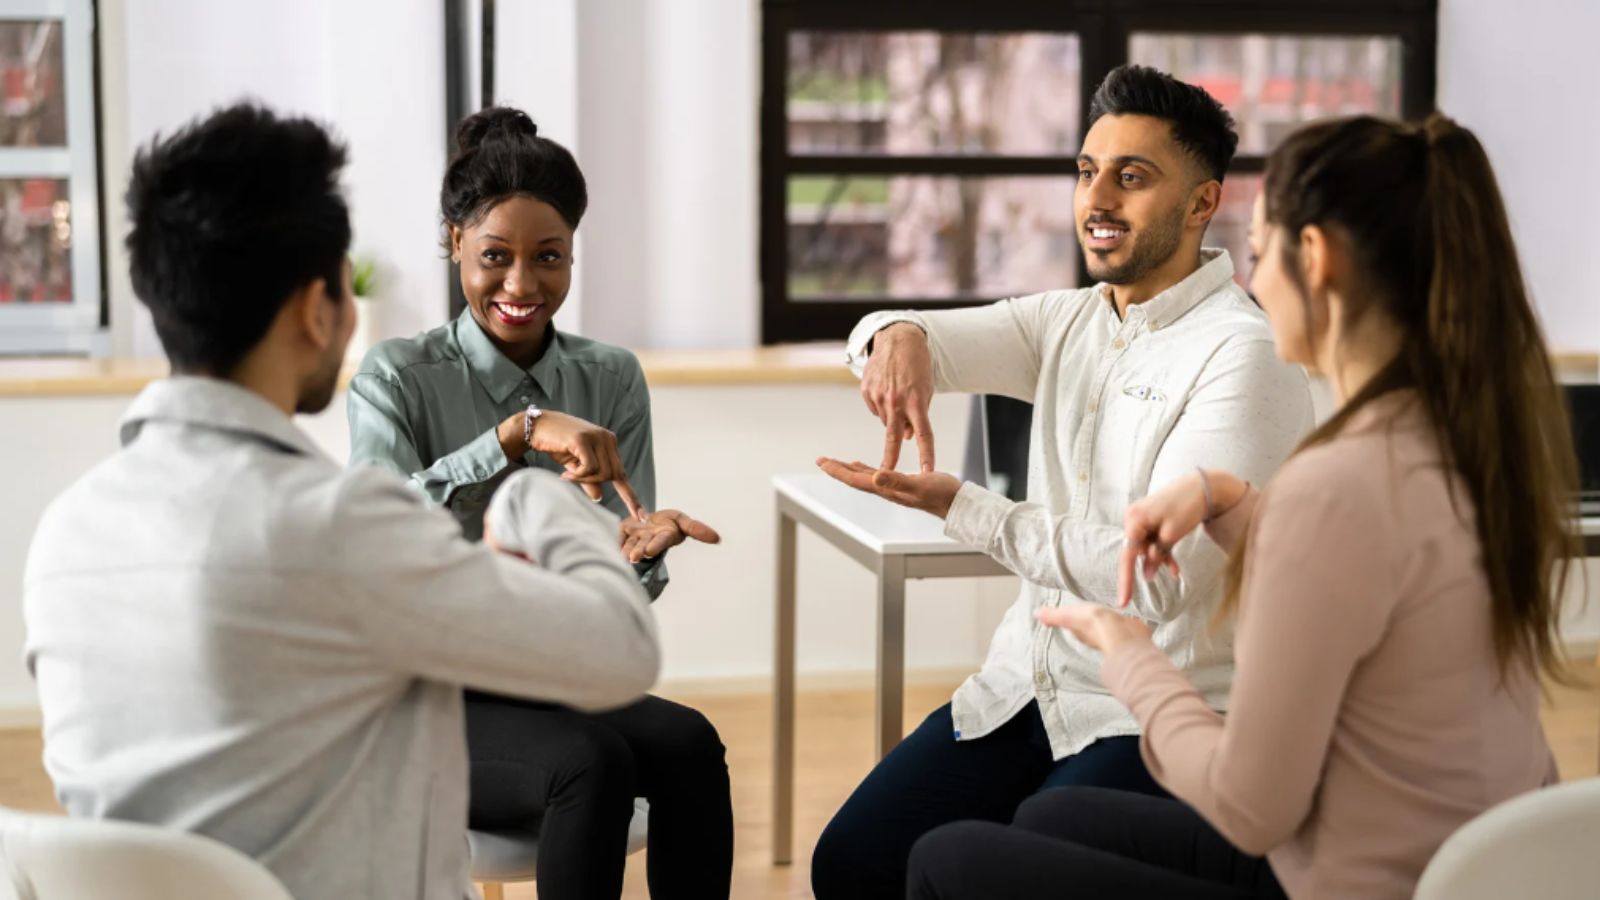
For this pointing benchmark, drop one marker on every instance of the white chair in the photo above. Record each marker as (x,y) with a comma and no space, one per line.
(1541,844)
(505,857)
(57,858)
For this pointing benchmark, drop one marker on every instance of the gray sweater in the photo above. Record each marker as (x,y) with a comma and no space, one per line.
(234,636)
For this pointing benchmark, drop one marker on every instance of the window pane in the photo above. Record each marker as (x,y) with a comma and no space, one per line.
(928,92)
(1273,83)
(1230,227)
(33,111)
(35,241)
(929,236)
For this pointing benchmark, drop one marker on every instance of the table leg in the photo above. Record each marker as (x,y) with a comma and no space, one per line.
(891,652)
(783,697)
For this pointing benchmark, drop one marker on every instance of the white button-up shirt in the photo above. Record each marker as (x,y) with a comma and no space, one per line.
(1121,406)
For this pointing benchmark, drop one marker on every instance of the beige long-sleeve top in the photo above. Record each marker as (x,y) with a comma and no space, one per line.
(1369,718)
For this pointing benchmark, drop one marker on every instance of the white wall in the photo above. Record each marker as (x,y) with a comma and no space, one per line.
(668,129)
(657,100)
(1521,75)
(372,69)
(544,84)
(715,461)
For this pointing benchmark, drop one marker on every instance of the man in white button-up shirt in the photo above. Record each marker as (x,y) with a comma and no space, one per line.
(1163,366)
(234,635)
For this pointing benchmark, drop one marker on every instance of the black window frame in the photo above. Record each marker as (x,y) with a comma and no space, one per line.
(1104,29)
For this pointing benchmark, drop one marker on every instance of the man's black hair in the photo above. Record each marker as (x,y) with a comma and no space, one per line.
(1200,125)
(231,215)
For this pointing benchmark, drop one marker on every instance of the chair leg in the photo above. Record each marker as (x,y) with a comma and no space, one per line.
(494,890)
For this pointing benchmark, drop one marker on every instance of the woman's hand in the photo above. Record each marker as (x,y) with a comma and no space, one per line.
(586,451)
(652,534)
(1100,627)
(1152,526)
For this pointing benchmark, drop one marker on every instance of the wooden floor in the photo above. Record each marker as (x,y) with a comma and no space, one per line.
(834,751)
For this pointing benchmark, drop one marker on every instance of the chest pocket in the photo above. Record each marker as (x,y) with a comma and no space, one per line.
(1136,408)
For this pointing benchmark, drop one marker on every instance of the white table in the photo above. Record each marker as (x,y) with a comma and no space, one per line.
(1590,529)
(894,542)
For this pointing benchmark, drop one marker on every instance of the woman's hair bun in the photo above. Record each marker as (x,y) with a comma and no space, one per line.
(496,123)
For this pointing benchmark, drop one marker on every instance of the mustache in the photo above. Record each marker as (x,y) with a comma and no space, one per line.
(1105,220)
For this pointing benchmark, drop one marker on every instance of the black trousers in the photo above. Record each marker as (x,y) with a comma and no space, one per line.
(931,779)
(1087,842)
(575,775)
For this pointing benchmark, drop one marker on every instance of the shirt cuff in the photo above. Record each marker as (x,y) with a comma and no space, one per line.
(975,516)
(479,460)
(861,336)
(652,575)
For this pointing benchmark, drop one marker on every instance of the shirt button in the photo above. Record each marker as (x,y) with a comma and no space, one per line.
(1041,679)
(524,398)
(1094,407)
(1118,344)
(1083,476)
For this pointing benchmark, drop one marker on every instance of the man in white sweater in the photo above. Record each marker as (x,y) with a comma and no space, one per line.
(1163,366)
(232,634)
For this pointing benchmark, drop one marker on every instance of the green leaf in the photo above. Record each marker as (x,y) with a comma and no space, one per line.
(363,276)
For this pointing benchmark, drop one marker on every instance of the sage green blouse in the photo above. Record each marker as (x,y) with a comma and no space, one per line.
(427,407)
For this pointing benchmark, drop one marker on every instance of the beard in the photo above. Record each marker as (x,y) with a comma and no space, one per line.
(318,391)
(1151,251)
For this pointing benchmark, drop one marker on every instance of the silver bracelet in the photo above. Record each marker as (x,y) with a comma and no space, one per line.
(533,412)
(1205,488)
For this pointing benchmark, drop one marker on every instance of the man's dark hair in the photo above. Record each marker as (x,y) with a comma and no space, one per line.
(1199,123)
(231,215)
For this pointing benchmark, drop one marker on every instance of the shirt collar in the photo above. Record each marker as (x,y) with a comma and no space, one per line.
(218,404)
(1216,270)
(499,375)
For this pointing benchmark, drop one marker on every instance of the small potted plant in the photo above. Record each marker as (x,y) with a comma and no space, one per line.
(363,281)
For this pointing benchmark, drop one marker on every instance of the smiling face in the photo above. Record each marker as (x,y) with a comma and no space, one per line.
(516,269)
(1135,201)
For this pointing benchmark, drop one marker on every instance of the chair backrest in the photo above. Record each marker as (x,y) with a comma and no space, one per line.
(1540,844)
(57,858)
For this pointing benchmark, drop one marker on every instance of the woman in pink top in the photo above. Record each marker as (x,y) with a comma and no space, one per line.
(1396,585)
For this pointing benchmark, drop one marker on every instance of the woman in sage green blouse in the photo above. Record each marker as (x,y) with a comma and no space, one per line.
(454,411)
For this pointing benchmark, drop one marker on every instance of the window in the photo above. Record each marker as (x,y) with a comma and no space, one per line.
(50,287)
(1273,84)
(938,230)
(922,155)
